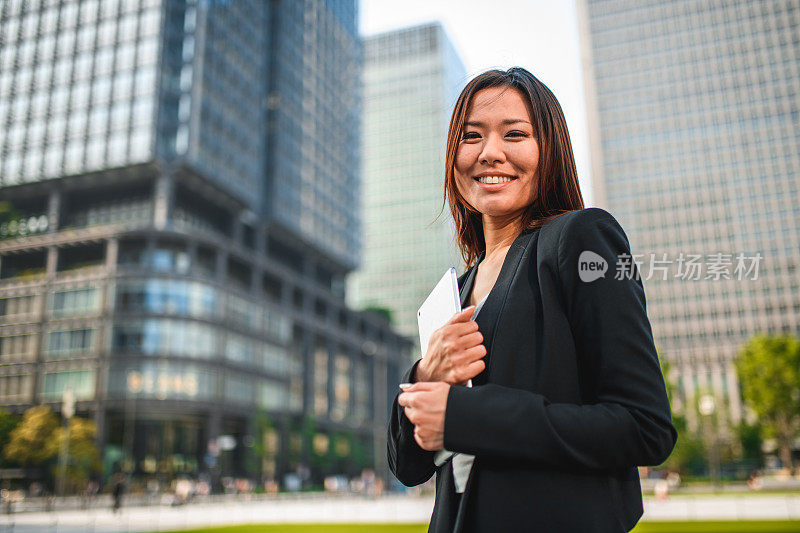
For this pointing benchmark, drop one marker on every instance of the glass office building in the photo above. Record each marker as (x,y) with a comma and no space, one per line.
(163,255)
(694,114)
(412,78)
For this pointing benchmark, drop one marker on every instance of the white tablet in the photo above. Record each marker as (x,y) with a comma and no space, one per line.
(441,304)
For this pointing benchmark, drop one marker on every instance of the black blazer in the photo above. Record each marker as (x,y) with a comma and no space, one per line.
(571,401)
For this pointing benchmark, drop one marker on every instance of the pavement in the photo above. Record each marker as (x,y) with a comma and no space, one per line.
(353,509)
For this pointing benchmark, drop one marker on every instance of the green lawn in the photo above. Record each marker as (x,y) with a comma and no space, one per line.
(745,526)
(644,527)
(315,528)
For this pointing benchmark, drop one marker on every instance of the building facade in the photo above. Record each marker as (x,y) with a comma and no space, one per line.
(161,253)
(693,111)
(412,78)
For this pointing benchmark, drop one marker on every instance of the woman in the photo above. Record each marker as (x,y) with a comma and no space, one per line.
(567,396)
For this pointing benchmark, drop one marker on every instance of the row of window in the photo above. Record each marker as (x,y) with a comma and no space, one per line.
(77,155)
(62,303)
(151,381)
(97,95)
(197,300)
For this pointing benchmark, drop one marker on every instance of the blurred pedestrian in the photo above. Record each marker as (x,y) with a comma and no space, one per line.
(117,490)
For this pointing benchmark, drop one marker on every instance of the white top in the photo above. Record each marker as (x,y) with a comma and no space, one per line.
(462,462)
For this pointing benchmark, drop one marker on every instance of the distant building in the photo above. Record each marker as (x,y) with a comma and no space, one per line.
(183,177)
(694,109)
(412,78)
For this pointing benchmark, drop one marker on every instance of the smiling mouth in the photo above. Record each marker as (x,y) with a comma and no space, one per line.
(494,179)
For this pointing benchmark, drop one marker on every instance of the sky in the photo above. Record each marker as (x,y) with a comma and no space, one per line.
(539,35)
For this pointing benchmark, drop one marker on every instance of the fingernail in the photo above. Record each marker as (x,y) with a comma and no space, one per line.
(405,385)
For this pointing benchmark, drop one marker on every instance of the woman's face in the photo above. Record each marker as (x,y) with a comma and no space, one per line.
(498,156)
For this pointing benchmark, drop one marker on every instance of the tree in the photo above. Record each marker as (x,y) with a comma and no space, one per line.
(83,457)
(265,445)
(7,212)
(689,454)
(7,424)
(750,441)
(384,313)
(769,373)
(29,443)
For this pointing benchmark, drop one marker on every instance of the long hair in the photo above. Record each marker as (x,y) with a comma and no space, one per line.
(558,190)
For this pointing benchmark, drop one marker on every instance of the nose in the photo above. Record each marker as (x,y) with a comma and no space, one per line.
(492,150)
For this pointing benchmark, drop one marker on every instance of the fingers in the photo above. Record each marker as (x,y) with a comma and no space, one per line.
(474,368)
(416,387)
(460,329)
(475,353)
(462,316)
(470,340)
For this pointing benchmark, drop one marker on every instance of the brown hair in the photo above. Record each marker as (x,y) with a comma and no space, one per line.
(558,190)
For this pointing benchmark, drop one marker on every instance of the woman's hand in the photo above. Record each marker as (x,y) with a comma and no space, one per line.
(424,405)
(455,353)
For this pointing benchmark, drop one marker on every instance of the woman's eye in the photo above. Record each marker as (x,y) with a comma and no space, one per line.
(517,134)
(470,135)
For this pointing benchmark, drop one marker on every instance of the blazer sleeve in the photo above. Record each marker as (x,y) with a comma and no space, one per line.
(628,421)
(408,462)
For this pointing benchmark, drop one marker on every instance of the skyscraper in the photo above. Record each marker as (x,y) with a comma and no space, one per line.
(182,179)
(412,77)
(694,113)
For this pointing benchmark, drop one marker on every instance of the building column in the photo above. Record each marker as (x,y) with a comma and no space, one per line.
(734,399)
(163,200)
(309,345)
(105,334)
(331,385)
(53,211)
(248,455)
(690,405)
(379,379)
(112,251)
(213,426)
(52,261)
(352,401)
(308,372)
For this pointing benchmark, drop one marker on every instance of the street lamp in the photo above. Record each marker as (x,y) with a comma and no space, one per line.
(707,405)
(67,411)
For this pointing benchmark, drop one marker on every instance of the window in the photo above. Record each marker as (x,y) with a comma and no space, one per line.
(69,343)
(75,302)
(167,337)
(14,348)
(80,381)
(16,306)
(16,389)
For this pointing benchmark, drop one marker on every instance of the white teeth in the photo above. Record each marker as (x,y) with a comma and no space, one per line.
(494,179)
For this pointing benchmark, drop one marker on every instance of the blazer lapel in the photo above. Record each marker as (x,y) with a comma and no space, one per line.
(489,315)
(469,281)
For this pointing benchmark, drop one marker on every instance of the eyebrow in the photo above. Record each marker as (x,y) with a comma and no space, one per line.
(506,122)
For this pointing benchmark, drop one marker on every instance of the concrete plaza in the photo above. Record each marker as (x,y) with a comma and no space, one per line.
(339,508)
